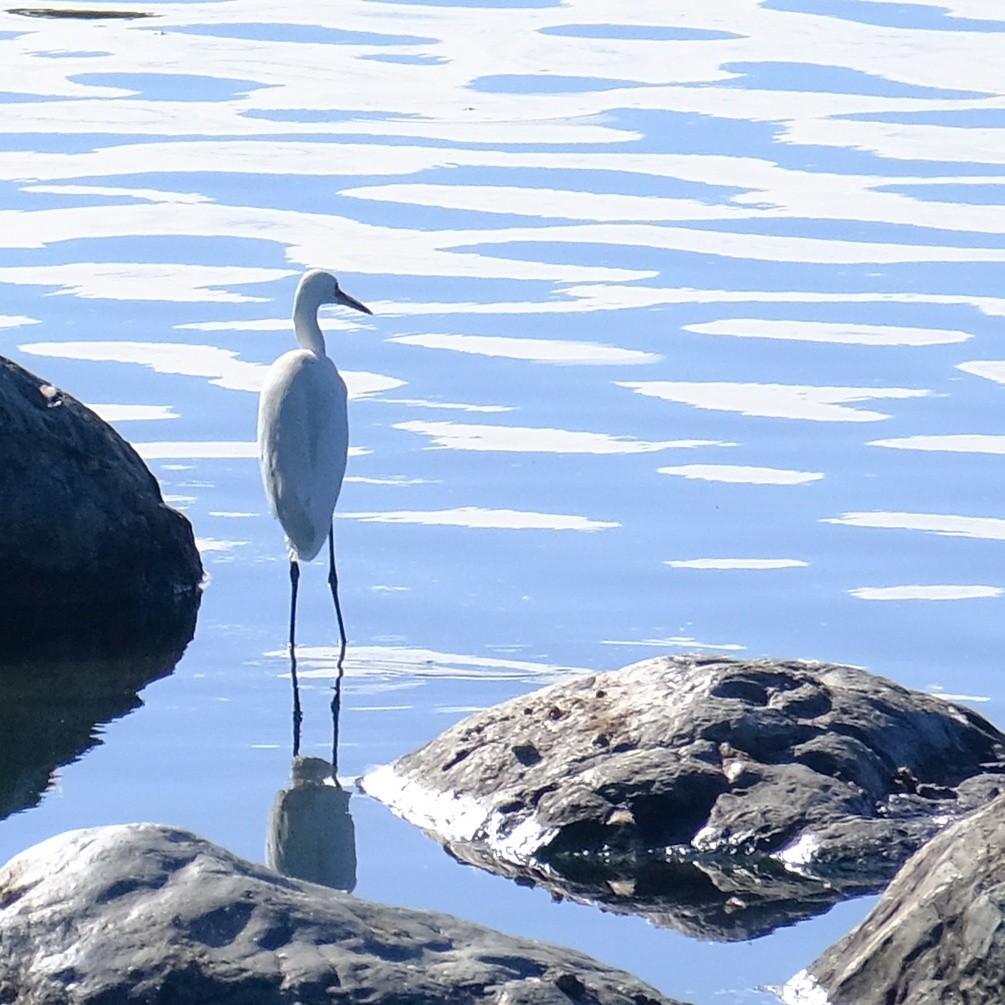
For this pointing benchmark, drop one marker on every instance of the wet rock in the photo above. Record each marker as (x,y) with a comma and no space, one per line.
(720,797)
(84,524)
(144,913)
(936,935)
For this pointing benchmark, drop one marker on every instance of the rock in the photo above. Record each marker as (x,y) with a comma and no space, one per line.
(937,934)
(84,524)
(146,913)
(717,796)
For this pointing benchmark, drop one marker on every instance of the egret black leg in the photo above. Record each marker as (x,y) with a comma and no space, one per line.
(294,579)
(333,583)
(336,711)
(298,715)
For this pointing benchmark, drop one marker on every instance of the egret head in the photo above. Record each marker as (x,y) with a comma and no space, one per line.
(319,287)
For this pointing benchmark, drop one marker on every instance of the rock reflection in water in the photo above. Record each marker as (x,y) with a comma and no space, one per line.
(58,686)
(704,897)
(311,834)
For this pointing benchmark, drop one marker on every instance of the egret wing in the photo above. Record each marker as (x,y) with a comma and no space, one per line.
(303,439)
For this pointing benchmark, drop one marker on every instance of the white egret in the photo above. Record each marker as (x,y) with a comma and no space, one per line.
(303,437)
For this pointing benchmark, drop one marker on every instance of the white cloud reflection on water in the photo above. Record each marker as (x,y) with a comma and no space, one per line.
(742,245)
(477,517)
(779,401)
(137,280)
(133,413)
(828,332)
(961,443)
(449,406)
(97,191)
(534,349)
(989,369)
(213,545)
(365,662)
(930,592)
(546,202)
(443,252)
(584,299)
(308,238)
(985,528)
(684,642)
(792,194)
(742,475)
(763,189)
(463,436)
(203,449)
(290,69)
(730,564)
(627,297)
(16,321)
(221,366)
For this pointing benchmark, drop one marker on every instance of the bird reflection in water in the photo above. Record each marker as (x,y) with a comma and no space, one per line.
(311,834)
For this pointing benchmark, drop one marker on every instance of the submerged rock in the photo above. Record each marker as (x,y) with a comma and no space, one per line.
(937,933)
(84,525)
(718,796)
(144,913)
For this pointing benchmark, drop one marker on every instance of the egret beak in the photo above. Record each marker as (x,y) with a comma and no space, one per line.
(341,297)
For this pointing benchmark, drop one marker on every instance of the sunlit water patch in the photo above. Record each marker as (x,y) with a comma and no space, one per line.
(779,401)
(942,591)
(829,332)
(987,528)
(963,443)
(539,350)
(726,564)
(745,474)
(221,366)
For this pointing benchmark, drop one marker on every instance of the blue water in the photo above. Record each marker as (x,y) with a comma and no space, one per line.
(813,281)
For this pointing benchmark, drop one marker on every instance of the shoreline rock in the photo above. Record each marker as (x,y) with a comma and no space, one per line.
(717,796)
(85,526)
(144,912)
(937,933)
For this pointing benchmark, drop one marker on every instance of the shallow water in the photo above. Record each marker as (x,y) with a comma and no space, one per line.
(684,338)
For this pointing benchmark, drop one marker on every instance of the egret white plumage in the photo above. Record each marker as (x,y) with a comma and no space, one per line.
(303,436)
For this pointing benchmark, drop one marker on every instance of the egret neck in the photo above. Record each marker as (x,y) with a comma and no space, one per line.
(306,327)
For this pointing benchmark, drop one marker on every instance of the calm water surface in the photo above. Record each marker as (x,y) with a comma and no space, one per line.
(687,336)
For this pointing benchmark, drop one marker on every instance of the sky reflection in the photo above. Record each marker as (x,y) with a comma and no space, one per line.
(778,401)
(461,436)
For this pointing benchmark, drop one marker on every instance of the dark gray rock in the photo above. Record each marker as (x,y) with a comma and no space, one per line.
(84,525)
(717,796)
(936,936)
(149,914)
